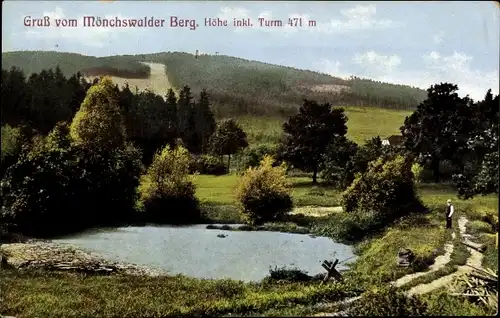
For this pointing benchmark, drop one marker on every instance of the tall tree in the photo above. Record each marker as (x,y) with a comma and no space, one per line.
(205,120)
(14,97)
(308,134)
(99,124)
(439,126)
(481,151)
(172,113)
(184,108)
(228,139)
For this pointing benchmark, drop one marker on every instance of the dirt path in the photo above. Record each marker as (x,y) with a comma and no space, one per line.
(475,259)
(157,82)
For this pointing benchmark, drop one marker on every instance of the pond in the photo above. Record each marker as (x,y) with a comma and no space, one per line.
(199,252)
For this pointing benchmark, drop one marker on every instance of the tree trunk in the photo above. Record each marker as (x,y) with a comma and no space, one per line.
(228,163)
(435,170)
(315,174)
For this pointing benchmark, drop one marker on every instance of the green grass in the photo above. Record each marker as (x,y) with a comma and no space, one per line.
(424,235)
(457,258)
(43,294)
(440,303)
(219,190)
(437,194)
(363,123)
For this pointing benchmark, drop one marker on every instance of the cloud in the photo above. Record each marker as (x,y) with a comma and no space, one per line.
(438,37)
(432,68)
(378,63)
(331,67)
(89,36)
(227,13)
(360,17)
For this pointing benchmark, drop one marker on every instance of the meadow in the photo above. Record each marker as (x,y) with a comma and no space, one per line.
(363,123)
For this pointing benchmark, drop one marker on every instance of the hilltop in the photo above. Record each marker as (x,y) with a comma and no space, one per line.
(237,86)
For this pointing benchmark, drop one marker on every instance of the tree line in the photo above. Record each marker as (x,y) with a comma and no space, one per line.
(110,155)
(39,102)
(237,86)
(443,128)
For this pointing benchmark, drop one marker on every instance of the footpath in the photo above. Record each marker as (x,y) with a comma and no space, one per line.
(474,260)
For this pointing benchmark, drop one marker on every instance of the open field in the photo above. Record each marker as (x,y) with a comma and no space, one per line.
(362,124)
(157,81)
(219,190)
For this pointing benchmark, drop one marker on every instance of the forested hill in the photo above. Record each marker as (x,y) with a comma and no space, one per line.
(236,85)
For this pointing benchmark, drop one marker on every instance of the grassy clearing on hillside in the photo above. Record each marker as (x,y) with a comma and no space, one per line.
(364,123)
(42,294)
(156,82)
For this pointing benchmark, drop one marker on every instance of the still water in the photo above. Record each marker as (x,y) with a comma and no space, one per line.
(198,252)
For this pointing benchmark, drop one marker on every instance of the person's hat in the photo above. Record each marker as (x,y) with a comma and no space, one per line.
(448,201)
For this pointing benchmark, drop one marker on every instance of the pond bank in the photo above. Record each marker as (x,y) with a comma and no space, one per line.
(38,254)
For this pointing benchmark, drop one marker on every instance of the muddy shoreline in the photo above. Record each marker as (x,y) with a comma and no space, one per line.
(33,254)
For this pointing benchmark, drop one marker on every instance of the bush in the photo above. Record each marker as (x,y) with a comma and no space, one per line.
(166,191)
(388,302)
(286,274)
(387,188)
(263,193)
(349,227)
(11,147)
(56,188)
(207,164)
(253,156)
(417,171)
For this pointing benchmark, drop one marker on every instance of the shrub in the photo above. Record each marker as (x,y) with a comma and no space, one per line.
(288,274)
(57,188)
(166,191)
(349,227)
(388,302)
(35,189)
(207,164)
(253,156)
(263,193)
(417,171)
(387,188)
(11,147)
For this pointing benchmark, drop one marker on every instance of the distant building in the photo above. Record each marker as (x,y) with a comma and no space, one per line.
(394,140)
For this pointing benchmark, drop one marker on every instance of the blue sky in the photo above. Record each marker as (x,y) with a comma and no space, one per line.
(413,43)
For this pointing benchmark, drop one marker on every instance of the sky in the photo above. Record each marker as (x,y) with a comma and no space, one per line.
(412,43)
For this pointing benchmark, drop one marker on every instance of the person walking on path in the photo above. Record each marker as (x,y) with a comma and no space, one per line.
(449,212)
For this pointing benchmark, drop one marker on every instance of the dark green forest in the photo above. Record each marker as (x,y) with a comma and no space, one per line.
(237,86)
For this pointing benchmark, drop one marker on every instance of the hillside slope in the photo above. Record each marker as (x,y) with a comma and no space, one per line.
(157,80)
(237,86)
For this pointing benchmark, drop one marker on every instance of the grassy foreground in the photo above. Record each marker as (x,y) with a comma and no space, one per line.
(43,294)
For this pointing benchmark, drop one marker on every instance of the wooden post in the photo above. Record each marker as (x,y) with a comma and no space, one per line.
(331,271)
